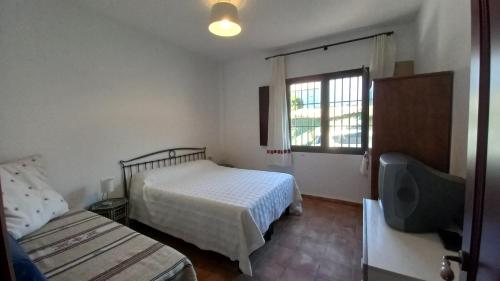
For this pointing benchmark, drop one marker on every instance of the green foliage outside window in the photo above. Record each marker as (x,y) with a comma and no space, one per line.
(297,103)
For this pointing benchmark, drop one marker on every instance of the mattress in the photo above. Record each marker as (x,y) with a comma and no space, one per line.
(82,245)
(216,208)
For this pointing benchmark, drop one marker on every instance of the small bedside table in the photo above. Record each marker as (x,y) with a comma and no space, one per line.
(117,210)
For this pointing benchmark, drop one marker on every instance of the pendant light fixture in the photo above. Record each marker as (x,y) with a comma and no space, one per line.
(224,20)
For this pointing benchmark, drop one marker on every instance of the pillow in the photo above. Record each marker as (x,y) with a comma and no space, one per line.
(165,175)
(24,268)
(176,172)
(29,201)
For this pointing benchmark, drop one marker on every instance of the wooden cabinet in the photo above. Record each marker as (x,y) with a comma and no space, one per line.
(412,115)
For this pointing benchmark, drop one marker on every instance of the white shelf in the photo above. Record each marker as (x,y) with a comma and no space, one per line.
(389,254)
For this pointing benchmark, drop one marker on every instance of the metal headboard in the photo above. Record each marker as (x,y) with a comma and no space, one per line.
(174,156)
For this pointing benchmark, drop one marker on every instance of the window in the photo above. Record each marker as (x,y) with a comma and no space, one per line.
(328,112)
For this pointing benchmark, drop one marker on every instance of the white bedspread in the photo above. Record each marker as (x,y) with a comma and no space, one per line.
(225,210)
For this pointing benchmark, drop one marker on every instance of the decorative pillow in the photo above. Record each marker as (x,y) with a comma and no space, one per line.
(29,201)
(24,268)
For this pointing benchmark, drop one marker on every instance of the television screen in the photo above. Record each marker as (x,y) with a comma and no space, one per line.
(416,197)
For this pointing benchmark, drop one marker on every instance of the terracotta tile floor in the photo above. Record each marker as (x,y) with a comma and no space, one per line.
(322,244)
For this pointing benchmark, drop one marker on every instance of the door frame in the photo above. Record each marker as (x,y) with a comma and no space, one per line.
(479,99)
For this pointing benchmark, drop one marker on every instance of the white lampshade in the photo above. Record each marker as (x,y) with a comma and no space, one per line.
(107,185)
(224,20)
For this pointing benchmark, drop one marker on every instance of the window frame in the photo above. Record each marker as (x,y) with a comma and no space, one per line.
(325,111)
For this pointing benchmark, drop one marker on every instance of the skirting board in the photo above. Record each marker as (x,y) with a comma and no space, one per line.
(333,200)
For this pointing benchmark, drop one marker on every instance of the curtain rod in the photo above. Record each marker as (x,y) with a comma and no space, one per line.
(325,47)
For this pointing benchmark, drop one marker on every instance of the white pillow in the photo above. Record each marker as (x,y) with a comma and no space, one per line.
(176,172)
(29,201)
(165,175)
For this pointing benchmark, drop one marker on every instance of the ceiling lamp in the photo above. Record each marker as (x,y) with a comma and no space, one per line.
(224,20)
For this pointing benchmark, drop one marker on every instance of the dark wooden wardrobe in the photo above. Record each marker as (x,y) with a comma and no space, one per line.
(412,115)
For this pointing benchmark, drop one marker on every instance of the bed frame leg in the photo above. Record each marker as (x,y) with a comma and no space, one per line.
(269,232)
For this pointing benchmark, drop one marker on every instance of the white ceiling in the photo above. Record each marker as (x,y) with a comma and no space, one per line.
(267,24)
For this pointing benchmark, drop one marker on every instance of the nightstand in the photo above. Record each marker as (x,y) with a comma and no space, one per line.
(115,209)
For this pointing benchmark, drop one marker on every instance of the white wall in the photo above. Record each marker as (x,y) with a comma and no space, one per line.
(86,92)
(443,40)
(328,175)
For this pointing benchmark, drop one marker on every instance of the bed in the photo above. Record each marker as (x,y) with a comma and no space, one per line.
(82,245)
(216,208)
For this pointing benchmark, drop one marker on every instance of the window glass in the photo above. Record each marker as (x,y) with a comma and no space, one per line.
(305,113)
(345,114)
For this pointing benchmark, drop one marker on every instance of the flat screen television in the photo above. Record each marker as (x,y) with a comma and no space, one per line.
(416,197)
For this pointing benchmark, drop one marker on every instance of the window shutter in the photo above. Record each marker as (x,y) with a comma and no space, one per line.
(263,113)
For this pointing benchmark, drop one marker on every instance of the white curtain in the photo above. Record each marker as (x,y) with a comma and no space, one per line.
(278,144)
(383,57)
(383,60)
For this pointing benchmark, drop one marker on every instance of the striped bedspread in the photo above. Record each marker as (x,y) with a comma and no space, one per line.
(81,245)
